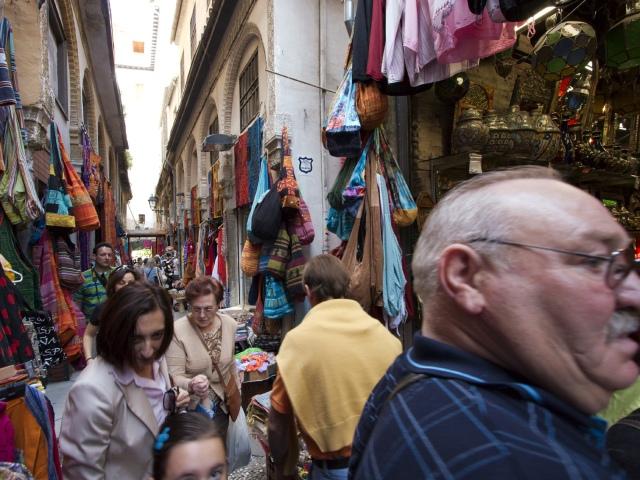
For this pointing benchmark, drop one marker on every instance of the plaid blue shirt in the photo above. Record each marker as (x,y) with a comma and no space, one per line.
(472,419)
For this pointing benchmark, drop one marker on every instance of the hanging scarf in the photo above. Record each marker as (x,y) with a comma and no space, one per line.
(393,279)
(240,152)
(254,154)
(108,220)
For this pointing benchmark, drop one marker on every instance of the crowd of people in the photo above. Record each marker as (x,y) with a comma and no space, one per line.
(530,297)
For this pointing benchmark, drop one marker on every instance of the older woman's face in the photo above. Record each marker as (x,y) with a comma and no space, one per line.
(125,280)
(203,311)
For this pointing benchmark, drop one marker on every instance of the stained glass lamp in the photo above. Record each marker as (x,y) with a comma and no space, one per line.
(622,44)
(563,50)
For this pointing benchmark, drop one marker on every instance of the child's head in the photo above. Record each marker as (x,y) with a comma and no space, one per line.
(189,445)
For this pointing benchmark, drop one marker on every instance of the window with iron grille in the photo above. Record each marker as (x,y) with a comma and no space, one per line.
(249,92)
(58,59)
(192,30)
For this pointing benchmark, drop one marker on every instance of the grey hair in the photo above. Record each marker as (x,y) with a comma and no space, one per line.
(468,211)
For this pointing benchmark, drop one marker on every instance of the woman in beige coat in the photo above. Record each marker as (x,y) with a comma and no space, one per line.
(203,338)
(116,405)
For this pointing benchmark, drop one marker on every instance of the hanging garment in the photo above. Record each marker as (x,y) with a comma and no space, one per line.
(262,188)
(108,220)
(39,406)
(360,42)
(15,346)
(90,165)
(240,153)
(200,249)
(393,280)
(29,438)
(216,196)
(221,270)
(254,156)
(459,35)
(29,287)
(376,41)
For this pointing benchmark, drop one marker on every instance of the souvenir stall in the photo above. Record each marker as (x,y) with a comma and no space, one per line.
(39,322)
(491,84)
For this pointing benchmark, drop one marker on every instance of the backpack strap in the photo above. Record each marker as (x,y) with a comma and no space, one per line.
(404,382)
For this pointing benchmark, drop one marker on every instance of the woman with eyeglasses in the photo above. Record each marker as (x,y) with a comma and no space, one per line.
(116,405)
(189,446)
(204,339)
(119,278)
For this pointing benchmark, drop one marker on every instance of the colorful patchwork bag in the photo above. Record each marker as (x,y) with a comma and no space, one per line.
(276,303)
(302,225)
(69,274)
(57,203)
(343,124)
(280,254)
(295,270)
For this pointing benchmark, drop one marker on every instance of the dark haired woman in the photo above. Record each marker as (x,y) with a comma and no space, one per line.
(115,406)
(119,278)
(189,446)
(204,338)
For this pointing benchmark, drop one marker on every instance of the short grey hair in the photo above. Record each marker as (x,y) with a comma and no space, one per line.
(468,211)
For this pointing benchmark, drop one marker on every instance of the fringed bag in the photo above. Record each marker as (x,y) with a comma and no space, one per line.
(276,303)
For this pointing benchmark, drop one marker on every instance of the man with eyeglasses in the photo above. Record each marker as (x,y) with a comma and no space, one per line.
(530,300)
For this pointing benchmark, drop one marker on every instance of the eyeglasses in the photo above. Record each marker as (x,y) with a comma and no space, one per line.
(619,264)
(201,310)
(169,401)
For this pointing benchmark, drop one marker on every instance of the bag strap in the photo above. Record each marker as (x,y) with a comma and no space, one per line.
(222,380)
(349,254)
(404,382)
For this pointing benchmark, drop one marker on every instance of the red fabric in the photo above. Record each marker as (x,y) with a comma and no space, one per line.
(211,257)
(222,264)
(241,155)
(376,41)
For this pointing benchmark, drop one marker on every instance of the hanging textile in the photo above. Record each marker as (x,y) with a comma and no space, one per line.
(393,279)
(200,250)
(108,220)
(262,188)
(58,203)
(254,156)
(195,206)
(216,196)
(90,165)
(29,286)
(83,209)
(15,346)
(42,410)
(18,193)
(240,153)
(211,249)
(221,271)
(53,297)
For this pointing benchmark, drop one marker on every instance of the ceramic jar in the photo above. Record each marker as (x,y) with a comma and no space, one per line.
(522,132)
(500,139)
(548,140)
(470,134)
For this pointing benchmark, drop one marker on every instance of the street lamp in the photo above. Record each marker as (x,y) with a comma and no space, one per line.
(153,201)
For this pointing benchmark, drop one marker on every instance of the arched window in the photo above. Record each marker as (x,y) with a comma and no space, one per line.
(249,92)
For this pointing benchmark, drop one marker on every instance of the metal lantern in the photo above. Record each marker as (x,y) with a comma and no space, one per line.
(622,44)
(563,50)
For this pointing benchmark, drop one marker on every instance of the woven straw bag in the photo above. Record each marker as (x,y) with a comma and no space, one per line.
(372,105)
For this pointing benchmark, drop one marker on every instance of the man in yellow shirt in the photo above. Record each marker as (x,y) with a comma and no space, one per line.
(327,367)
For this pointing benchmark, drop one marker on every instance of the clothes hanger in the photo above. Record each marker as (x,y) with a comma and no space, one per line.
(18,280)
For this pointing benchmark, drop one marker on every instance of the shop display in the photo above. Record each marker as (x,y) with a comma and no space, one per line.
(622,41)
(471,133)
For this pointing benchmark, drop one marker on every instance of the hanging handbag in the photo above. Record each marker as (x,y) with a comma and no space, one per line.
(250,258)
(276,303)
(302,225)
(343,124)
(372,105)
(69,274)
(57,204)
(279,254)
(267,216)
(232,397)
(405,210)
(366,274)
(83,209)
(295,270)
(334,197)
(287,183)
